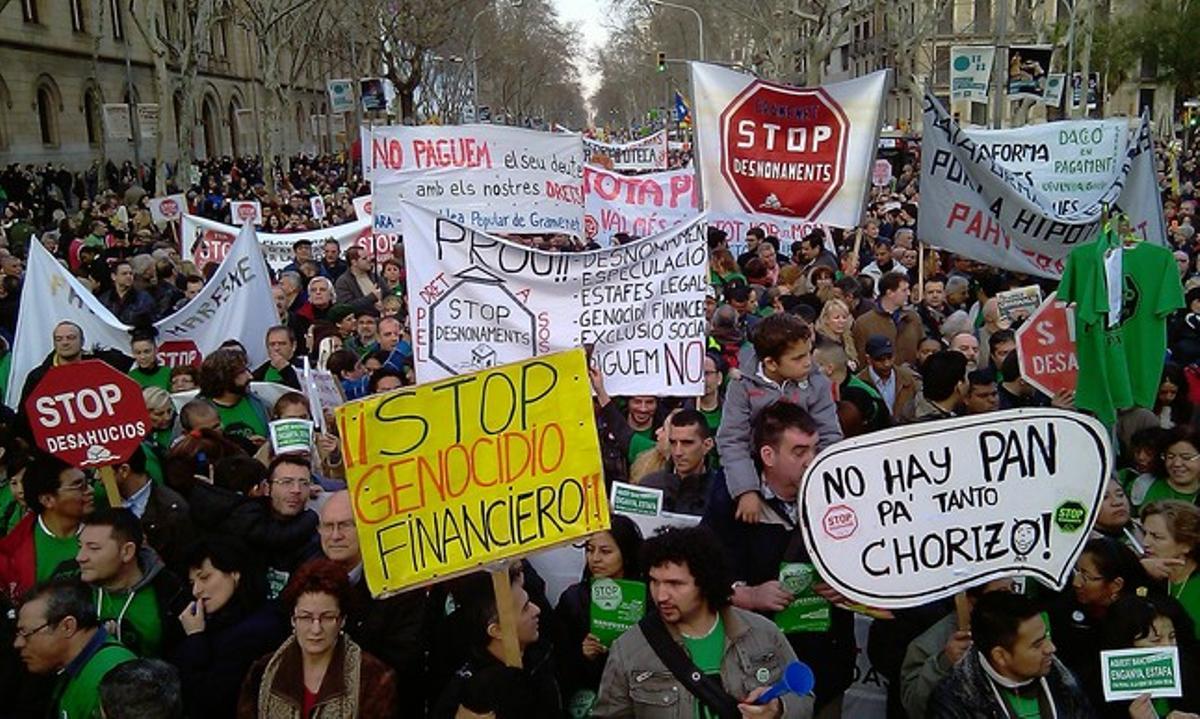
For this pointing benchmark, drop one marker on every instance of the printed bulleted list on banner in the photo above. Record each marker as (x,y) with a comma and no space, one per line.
(786,158)
(478,301)
(910,515)
(448,476)
(1022,199)
(230,305)
(638,205)
(492,178)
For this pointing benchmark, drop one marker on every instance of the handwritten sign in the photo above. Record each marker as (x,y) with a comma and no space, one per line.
(448,476)
(910,515)
(647,153)
(479,300)
(638,205)
(1130,673)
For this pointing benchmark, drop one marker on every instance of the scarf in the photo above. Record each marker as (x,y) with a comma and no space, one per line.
(281,692)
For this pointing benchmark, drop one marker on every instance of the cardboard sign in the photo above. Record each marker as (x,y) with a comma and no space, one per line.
(1019,303)
(323,390)
(1021,199)
(783,157)
(1129,673)
(631,499)
(478,300)
(291,436)
(617,605)
(317,204)
(450,476)
(117,123)
(881,173)
(242,212)
(807,612)
(170,208)
(909,515)
(648,153)
(1046,348)
(362,207)
(87,414)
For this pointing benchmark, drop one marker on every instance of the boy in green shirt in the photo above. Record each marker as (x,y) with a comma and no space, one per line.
(58,633)
(146,370)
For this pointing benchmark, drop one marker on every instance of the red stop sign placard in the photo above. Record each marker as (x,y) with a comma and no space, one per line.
(88,414)
(1046,348)
(785,149)
(179,353)
(169,208)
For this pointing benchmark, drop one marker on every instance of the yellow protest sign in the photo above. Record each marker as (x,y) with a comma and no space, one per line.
(447,476)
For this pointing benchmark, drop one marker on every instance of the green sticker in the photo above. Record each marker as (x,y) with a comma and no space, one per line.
(1070,516)
(808,612)
(617,604)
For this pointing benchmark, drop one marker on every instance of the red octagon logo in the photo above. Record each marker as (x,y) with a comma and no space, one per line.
(169,208)
(246,211)
(179,353)
(88,414)
(785,149)
(840,522)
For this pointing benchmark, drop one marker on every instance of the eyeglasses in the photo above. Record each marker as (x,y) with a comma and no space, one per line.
(80,486)
(344,527)
(1186,457)
(1087,578)
(25,634)
(292,483)
(327,619)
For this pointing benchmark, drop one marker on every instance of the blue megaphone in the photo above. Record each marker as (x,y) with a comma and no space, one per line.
(797,679)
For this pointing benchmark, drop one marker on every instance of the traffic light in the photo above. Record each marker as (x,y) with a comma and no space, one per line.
(662,62)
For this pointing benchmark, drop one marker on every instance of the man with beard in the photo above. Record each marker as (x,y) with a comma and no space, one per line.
(225,383)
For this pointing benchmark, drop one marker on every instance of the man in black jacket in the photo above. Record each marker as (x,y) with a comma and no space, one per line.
(389,629)
(279,526)
(281,352)
(785,442)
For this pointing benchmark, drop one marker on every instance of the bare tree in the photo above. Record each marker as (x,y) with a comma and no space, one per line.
(409,32)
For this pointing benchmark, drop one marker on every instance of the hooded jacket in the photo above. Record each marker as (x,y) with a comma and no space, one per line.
(968,693)
(746,398)
(282,543)
(145,617)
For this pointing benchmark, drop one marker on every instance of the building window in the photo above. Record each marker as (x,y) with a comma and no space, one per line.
(118,19)
(47,111)
(946,21)
(91,117)
(941,65)
(29,10)
(77,15)
(983,16)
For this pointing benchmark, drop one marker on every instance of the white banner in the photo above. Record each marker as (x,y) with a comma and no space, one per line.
(785,158)
(910,515)
(147,117)
(233,305)
(639,205)
(169,208)
(117,123)
(970,71)
(477,301)
(493,178)
(205,241)
(1022,199)
(648,153)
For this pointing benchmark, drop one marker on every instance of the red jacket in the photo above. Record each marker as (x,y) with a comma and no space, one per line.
(18,566)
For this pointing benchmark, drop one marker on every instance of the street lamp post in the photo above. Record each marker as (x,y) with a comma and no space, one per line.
(699,19)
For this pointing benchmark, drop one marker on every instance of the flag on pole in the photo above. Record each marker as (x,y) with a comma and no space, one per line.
(683,113)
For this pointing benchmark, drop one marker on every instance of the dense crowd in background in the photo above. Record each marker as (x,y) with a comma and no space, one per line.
(229,581)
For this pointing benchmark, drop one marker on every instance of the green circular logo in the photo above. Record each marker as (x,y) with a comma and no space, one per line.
(606,594)
(796,578)
(1070,516)
(961,63)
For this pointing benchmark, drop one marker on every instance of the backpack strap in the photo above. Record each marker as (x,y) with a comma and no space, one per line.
(705,688)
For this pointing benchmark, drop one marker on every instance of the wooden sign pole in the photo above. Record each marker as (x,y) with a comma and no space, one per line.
(109,479)
(963,610)
(502,586)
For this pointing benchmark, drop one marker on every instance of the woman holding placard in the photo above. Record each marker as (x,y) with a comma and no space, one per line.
(1144,620)
(611,555)
(1173,551)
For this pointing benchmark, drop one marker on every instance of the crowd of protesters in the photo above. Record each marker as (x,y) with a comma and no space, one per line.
(229,582)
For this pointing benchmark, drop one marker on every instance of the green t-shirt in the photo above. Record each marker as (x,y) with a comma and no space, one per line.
(1120,366)
(1158,490)
(706,653)
(79,695)
(1188,595)
(642,440)
(1023,707)
(139,619)
(160,377)
(11,510)
(272,375)
(241,420)
(50,551)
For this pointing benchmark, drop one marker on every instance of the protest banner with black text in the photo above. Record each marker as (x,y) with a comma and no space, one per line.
(477,301)
(449,476)
(910,515)
(236,302)
(207,241)
(782,157)
(647,153)
(492,178)
(638,205)
(1022,199)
